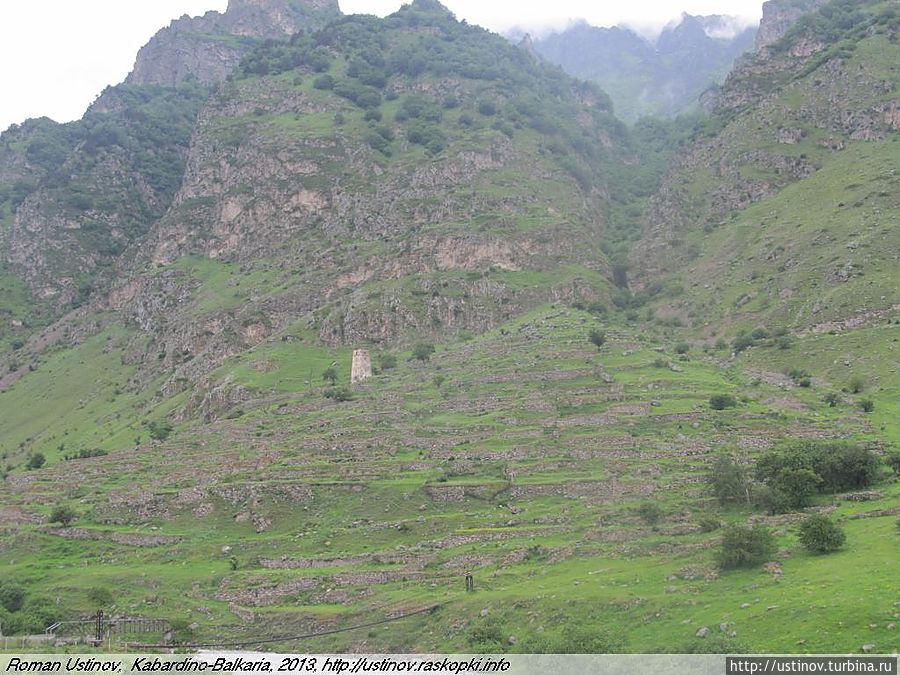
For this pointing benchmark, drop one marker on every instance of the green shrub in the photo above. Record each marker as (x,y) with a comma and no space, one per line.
(423,351)
(597,337)
(486,636)
(832,398)
(729,481)
(819,534)
(324,82)
(339,394)
(100,597)
(64,515)
(867,405)
(709,524)
(832,466)
(574,639)
(745,546)
(857,384)
(159,429)
(893,461)
(36,461)
(682,348)
(388,361)
(722,401)
(650,512)
(330,375)
(797,487)
(12,596)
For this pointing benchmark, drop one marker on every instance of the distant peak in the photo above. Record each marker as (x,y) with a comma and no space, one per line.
(280,5)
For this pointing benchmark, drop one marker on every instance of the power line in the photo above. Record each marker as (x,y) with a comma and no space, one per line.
(287,638)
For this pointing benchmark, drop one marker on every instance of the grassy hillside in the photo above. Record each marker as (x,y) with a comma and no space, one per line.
(521,456)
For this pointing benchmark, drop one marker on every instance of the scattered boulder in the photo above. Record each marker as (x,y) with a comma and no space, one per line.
(702,632)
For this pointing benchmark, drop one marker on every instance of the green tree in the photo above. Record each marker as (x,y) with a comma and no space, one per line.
(893,461)
(729,480)
(744,546)
(722,401)
(100,597)
(797,486)
(597,337)
(650,512)
(423,351)
(159,429)
(64,515)
(857,384)
(330,375)
(867,405)
(36,461)
(12,596)
(820,534)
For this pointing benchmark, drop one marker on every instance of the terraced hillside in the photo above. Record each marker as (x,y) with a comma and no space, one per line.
(521,456)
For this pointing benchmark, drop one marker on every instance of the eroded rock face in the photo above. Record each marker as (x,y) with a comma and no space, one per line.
(209,47)
(778,17)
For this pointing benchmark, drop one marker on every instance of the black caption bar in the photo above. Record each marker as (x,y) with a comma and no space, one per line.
(759,665)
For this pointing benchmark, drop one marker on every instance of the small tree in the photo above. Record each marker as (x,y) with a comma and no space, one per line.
(597,337)
(36,461)
(12,596)
(798,486)
(423,351)
(159,429)
(867,405)
(820,534)
(64,515)
(857,384)
(650,512)
(832,398)
(100,596)
(745,546)
(330,375)
(728,480)
(893,461)
(722,401)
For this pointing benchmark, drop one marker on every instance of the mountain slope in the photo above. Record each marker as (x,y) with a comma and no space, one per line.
(421,188)
(665,77)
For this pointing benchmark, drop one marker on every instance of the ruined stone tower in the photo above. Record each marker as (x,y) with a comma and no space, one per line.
(362,366)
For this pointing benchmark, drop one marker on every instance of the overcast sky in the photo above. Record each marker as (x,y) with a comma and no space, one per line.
(57,55)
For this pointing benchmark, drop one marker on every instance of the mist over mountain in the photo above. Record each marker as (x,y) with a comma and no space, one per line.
(662,76)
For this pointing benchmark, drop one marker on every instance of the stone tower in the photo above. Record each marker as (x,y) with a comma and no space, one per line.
(362,366)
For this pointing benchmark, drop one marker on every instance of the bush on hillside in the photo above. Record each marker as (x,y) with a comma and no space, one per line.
(36,461)
(423,351)
(597,337)
(744,546)
(12,596)
(729,480)
(722,401)
(650,512)
(819,534)
(64,515)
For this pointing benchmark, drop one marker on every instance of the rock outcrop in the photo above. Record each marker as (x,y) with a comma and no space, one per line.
(778,17)
(209,47)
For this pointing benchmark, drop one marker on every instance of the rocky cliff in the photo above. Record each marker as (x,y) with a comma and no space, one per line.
(779,16)
(379,182)
(209,47)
